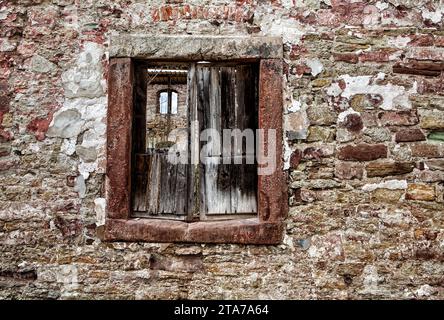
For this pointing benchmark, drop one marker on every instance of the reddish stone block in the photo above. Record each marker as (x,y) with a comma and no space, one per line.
(439,41)
(429,86)
(362,152)
(433,69)
(422,40)
(399,118)
(346,57)
(408,135)
(295,158)
(353,123)
(382,55)
(39,126)
(348,170)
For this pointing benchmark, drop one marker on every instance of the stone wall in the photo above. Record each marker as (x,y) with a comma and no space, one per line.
(364,123)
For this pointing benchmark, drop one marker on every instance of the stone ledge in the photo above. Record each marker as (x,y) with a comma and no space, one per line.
(240,231)
(195,47)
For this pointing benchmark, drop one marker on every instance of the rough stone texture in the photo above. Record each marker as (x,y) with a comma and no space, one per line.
(382,169)
(362,152)
(347,235)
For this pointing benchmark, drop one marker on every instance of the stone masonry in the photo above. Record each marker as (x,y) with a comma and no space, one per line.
(364,152)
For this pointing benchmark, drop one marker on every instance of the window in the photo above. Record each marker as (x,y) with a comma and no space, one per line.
(220,84)
(223,103)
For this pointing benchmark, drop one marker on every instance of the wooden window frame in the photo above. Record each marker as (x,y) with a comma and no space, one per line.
(268,226)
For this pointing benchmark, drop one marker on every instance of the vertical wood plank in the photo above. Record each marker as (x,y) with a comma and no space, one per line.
(193,140)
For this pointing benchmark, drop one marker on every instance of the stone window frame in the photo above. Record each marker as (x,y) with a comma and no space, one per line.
(268,226)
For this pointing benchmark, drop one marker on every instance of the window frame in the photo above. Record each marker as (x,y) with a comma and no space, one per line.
(268,226)
(170,99)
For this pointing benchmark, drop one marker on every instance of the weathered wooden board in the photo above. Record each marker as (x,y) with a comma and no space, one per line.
(226,101)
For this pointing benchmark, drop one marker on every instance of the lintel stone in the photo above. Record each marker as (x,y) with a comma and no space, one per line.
(192,47)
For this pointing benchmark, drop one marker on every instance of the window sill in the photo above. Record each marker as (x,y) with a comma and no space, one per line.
(241,231)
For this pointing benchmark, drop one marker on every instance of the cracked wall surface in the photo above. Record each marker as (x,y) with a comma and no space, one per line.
(363,148)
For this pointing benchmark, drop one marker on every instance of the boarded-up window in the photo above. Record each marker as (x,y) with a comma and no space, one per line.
(222,184)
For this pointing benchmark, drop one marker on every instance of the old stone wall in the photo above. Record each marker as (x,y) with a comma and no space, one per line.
(364,150)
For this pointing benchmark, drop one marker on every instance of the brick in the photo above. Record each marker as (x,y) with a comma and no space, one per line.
(383,169)
(409,135)
(398,118)
(419,68)
(362,152)
(383,55)
(346,57)
(423,192)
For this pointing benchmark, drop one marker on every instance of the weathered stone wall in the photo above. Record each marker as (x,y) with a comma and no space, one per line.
(364,121)
(160,125)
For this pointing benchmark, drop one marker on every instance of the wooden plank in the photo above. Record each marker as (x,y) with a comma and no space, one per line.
(141,187)
(192,194)
(181,189)
(243,192)
(154,183)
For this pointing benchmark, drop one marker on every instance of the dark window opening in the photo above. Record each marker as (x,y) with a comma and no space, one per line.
(214,96)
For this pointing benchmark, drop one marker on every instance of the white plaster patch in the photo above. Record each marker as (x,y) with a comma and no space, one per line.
(425,291)
(381,5)
(99,208)
(334,90)
(80,187)
(294,106)
(399,41)
(85,79)
(290,30)
(85,168)
(287,155)
(434,16)
(393,96)
(315,65)
(389,184)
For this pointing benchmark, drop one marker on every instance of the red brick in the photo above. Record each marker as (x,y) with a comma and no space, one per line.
(362,152)
(382,55)
(346,57)
(399,118)
(408,135)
